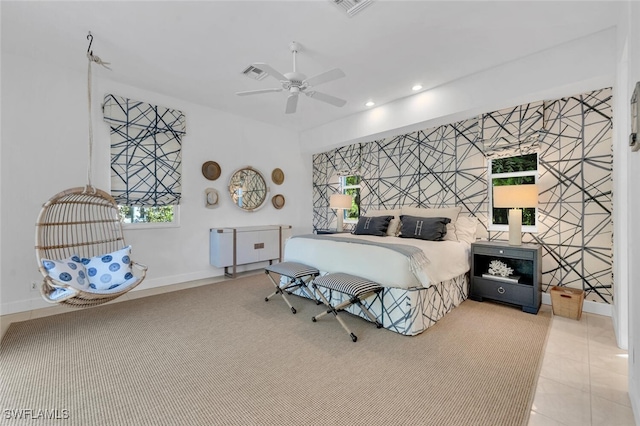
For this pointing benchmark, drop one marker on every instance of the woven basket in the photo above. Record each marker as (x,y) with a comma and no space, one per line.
(567,302)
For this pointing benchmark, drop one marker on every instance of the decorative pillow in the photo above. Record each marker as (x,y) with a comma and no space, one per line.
(110,270)
(67,271)
(59,294)
(424,228)
(368,225)
(394,224)
(450,212)
(466,228)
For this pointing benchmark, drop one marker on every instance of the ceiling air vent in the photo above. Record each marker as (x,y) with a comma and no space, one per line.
(255,73)
(352,6)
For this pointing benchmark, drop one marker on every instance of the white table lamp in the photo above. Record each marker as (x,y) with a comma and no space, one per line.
(340,202)
(515,198)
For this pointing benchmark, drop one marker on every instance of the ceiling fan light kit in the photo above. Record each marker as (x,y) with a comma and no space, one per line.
(294,82)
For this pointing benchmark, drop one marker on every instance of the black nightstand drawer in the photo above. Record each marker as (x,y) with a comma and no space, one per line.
(504,252)
(500,290)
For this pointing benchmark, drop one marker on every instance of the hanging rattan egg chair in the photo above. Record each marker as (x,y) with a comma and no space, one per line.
(82,222)
(79,226)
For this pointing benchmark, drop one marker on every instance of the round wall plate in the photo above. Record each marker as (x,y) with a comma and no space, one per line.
(277,176)
(211,170)
(211,198)
(278,201)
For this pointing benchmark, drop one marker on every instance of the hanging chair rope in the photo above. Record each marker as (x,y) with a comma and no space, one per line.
(92,58)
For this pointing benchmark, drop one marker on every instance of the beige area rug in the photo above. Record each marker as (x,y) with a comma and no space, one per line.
(220,355)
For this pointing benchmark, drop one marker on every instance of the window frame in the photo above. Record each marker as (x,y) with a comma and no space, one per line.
(491,176)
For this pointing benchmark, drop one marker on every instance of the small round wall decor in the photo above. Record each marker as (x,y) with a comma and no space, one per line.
(277,176)
(211,170)
(278,201)
(211,198)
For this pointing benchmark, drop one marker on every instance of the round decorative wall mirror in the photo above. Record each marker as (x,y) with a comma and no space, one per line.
(248,189)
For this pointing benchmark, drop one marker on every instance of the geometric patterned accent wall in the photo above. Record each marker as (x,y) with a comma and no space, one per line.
(447,166)
(146,152)
(576,194)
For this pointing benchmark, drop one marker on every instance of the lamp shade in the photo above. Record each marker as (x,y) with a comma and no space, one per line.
(515,196)
(340,201)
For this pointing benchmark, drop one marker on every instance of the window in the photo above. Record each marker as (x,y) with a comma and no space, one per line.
(157,216)
(517,170)
(351,185)
(146,160)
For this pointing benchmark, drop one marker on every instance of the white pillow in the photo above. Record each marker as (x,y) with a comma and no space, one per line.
(67,271)
(466,228)
(109,271)
(450,212)
(394,225)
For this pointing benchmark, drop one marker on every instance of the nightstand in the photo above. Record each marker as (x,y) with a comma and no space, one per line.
(522,289)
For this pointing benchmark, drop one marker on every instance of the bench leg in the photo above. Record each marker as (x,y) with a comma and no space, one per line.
(303,284)
(334,311)
(280,291)
(369,314)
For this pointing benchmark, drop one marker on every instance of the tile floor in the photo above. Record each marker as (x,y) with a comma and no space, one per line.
(583,380)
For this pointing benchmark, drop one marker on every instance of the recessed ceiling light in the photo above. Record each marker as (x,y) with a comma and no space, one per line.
(416,87)
(370,104)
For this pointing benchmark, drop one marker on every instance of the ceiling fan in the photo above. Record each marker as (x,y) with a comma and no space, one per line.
(295,83)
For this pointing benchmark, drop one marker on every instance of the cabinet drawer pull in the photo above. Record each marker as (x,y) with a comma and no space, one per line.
(257,246)
(501,290)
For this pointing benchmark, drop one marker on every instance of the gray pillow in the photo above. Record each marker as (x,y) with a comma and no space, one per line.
(424,228)
(370,225)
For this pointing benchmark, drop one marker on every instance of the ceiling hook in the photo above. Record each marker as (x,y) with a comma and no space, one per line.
(90,38)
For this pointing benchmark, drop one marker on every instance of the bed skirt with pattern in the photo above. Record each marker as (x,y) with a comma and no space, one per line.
(408,311)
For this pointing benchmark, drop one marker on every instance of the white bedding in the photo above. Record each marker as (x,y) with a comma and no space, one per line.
(447,259)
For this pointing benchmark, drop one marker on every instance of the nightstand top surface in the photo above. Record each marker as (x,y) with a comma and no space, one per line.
(527,246)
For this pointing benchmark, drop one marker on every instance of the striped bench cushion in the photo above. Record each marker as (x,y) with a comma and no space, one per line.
(348,284)
(292,269)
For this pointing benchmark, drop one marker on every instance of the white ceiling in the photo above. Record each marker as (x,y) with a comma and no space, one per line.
(197,50)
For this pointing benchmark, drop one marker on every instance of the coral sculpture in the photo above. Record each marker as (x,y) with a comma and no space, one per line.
(499,268)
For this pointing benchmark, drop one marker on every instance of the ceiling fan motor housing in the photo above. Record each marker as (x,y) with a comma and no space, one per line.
(296,79)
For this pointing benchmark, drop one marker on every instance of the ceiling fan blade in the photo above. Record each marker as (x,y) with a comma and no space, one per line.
(292,104)
(325,77)
(256,92)
(271,71)
(326,98)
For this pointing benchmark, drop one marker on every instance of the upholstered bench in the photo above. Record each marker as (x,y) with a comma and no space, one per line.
(356,288)
(299,275)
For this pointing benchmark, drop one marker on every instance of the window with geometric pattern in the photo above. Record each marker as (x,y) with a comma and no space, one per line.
(146,159)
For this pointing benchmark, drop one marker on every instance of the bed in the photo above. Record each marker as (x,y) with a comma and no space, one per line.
(423,279)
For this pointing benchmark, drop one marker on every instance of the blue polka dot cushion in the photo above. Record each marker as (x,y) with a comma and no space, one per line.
(111,271)
(69,271)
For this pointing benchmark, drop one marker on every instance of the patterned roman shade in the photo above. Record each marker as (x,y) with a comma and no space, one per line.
(146,158)
(512,131)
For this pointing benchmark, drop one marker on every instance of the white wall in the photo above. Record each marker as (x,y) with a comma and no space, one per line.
(45,142)
(633,235)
